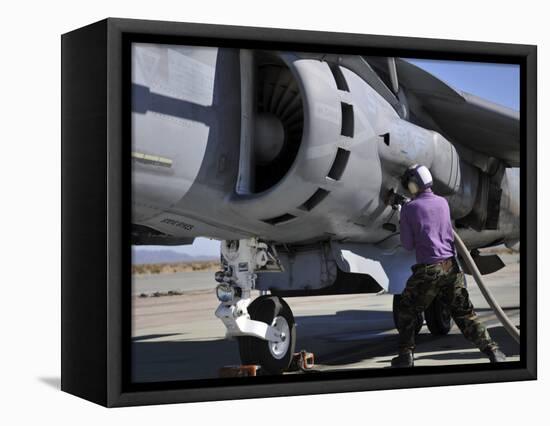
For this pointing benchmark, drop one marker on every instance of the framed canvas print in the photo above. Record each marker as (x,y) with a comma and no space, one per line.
(253,212)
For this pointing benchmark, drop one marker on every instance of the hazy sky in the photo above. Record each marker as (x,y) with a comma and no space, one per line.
(498,83)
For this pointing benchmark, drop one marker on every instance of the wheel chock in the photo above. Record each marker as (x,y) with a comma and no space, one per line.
(239,371)
(302,361)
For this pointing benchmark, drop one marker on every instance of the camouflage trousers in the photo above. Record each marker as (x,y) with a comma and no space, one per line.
(425,284)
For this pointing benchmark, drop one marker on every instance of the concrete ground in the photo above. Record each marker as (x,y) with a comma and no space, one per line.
(179,338)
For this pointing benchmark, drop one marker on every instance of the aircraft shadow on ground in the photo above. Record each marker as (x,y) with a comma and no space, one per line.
(189,360)
(457,342)
(348,315)
(333,343)
(194,359)
(374,343)
(181,360)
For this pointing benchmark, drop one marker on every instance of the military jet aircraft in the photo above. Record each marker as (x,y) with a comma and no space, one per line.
(288,158)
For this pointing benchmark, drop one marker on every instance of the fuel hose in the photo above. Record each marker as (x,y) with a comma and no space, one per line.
(503,318)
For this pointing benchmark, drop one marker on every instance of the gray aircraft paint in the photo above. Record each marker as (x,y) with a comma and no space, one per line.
(187,110)
(180,74)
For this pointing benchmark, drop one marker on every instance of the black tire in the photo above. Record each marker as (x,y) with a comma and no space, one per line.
(438,318)
(257,351)
(395,309)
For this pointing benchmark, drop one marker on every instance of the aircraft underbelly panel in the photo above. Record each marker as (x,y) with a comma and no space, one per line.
(391,268)
(317,267)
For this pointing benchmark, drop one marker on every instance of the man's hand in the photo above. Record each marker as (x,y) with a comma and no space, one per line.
(395,200)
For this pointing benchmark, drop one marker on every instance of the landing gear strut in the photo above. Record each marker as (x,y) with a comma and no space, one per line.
(265,329)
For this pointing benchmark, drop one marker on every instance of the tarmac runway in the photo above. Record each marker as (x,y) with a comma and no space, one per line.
(179,338)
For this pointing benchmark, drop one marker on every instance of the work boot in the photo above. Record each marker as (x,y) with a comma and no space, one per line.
(403,360)
(494,354)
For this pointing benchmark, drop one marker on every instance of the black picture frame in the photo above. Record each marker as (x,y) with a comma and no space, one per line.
(96,211)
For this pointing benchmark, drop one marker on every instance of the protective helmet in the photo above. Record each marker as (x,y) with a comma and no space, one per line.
(417,178)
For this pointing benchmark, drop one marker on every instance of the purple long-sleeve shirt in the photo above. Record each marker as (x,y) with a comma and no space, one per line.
(426,226)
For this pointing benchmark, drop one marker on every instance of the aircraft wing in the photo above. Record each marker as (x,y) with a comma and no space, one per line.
(463,118)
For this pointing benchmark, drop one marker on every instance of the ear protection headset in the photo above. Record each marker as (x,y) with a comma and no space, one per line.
(417,178)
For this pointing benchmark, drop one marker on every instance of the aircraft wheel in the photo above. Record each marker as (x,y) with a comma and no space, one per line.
(273,357)
(438,318)
(395,308)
